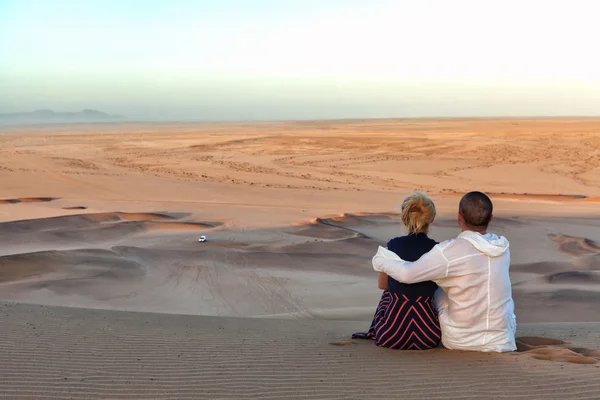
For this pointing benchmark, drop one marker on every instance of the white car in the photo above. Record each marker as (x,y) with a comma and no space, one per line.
(202,239)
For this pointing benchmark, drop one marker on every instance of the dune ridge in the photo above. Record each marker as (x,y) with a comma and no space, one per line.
(576,246)
(27,200)
(99,220)
(525,196)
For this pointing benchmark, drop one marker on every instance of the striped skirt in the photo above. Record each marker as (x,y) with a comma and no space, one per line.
(404,324)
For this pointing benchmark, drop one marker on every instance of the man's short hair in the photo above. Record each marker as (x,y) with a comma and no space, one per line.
(476,209)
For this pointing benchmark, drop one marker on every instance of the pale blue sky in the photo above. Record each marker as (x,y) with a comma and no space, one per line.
(268,59)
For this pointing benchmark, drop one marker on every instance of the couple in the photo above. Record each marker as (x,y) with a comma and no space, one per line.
(472,308)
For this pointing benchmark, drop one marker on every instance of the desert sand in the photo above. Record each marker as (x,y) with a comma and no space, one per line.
(107,293)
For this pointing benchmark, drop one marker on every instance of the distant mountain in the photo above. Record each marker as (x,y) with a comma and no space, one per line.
(52,117)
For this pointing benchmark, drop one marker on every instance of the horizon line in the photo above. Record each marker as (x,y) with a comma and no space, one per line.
(200,121)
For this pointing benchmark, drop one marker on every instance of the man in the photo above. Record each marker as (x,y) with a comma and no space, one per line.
(474,301)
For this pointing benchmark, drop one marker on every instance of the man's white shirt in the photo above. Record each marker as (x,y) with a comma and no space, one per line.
(474,301)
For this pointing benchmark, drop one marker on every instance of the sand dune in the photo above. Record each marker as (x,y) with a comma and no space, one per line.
(576,246)
(55,353)
(320,229)
(88,230)
(559,290)
(295,270)
(575,277)
(293,212)
(26,200)
(76,269)
(192,277)
(76,221)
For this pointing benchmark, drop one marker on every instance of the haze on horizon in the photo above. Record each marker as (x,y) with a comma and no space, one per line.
(300,59)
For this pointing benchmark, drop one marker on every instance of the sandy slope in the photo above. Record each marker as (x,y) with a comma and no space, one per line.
(316,269)
(59,353)
(108,217)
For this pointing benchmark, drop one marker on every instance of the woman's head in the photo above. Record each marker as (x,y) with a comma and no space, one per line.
(418,212)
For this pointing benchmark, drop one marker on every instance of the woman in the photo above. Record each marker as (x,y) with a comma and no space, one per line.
(406,318)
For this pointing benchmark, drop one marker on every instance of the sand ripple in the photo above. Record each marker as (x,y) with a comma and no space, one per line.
(59,353)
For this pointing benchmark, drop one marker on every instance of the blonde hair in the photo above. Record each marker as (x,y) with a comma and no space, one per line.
(418,212)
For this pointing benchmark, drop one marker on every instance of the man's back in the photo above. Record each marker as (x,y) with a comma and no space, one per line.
(476,309)
(474,301)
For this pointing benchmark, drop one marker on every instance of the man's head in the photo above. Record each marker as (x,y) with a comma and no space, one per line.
(475,212)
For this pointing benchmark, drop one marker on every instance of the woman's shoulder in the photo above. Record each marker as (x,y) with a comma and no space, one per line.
(396,241)
(400,240)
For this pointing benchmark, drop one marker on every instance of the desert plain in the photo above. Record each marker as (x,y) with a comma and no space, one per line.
(106,292)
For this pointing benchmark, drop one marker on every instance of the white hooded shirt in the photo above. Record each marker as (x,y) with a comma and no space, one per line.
(475,303)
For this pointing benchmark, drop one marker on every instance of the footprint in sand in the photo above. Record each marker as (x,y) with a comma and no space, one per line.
(344,343)
(525,343)
(561,355)
(548,349)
